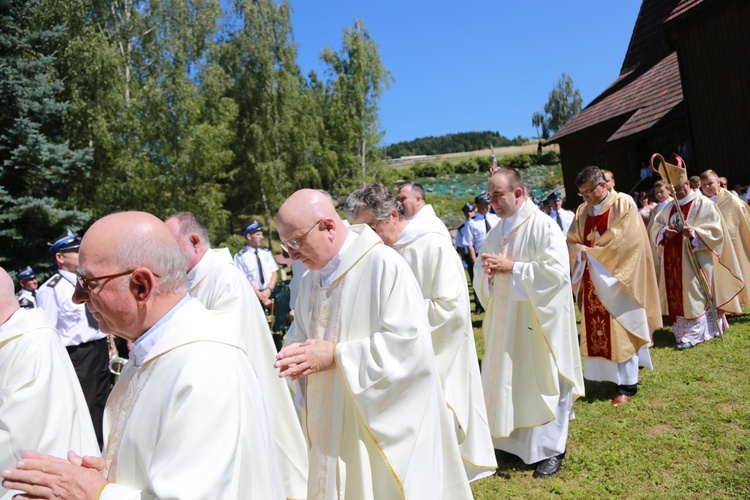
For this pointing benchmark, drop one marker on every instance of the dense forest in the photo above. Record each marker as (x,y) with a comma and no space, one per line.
(172,105)
(452,143)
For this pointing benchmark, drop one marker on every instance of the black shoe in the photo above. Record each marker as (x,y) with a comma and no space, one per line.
(550,466)
(505,457)
(683,345)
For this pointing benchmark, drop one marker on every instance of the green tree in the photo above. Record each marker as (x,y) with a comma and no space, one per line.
(147,96)
(563,103)
(357,79)
(260,57)
(38,165)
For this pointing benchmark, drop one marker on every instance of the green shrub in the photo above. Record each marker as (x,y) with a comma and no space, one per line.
(518,162)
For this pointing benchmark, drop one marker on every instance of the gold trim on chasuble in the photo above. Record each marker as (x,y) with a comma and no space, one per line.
(324,325)
(124,397)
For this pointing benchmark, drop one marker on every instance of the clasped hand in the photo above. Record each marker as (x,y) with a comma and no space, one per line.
(299,360)
(44,476)
(495,263)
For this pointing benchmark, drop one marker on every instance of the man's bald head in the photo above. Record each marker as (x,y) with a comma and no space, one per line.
(144,269)
(8,303)
(135,239)
(309,218)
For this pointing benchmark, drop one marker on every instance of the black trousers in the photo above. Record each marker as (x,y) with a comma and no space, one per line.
(91,363)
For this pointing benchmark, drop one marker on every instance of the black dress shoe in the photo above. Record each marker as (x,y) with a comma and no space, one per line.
(550,466)
(504,456)
(683,345)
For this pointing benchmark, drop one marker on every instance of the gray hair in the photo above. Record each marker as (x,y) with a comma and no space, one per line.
(162,256)
(375,198)
(189,223)
(593,174)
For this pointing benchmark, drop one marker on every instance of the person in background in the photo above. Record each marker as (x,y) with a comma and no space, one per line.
(26,296)
(258,265)
(462,237)
(563,218)
(88,347)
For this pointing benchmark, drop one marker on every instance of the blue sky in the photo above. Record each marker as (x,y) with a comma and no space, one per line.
(477,64)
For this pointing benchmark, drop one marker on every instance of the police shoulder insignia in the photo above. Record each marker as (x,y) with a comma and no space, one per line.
(54,280)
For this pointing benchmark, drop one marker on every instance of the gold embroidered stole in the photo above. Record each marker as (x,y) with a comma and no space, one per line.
(120,404)
(319,397)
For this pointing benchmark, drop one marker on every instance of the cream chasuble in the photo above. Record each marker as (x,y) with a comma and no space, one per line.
(220,286)
(715,255)
(190,421)
(441,277)
(737,217)
(41,404)
(616,287)
(529,327)
(376,422)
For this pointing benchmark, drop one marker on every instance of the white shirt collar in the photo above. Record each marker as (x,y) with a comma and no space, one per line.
(509,222)
(690,197)
(143,345)
(194,272)
(326,274)
(598,206)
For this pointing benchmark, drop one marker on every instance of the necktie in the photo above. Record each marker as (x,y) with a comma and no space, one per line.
(559,220)
(260,269)
(487,226)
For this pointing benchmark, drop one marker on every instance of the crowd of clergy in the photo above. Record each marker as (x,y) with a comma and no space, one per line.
(377,392)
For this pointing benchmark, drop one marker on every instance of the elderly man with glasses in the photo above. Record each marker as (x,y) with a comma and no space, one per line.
(615,282)
(360,348)
(442,280)
(185,418)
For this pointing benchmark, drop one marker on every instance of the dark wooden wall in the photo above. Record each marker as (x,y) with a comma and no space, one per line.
(713,47)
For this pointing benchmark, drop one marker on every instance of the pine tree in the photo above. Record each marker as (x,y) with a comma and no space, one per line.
(38,166)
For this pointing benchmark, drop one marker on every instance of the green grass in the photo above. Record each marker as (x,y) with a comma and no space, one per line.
(686,434)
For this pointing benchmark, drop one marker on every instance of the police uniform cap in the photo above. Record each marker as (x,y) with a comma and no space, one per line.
(64,243)
(468,208)
(482,198)
(554,196)
(26,273)
(252,228)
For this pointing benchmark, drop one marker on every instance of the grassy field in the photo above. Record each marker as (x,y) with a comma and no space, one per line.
(686,434)
(529,149)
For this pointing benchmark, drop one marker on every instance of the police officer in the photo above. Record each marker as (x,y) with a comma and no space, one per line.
(258,264)
(564,218)
(26,296)
(87,346)
(479,226)
(462,238)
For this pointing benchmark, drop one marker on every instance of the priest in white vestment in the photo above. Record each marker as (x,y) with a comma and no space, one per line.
(436,265)
(219,285)
(360,348)
(531,369)
(186,418)
(736,216)
(41,403)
